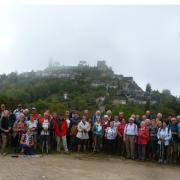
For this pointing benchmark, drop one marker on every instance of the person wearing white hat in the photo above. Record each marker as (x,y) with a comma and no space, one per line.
(130,134)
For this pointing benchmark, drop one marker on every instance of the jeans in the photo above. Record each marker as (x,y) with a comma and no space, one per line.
(97,142)
(27,150)
(64,142)
(45,143)
(163,151)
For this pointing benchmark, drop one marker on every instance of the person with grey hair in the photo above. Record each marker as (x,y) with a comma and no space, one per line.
(159,117)
(130,134)
(149,115)
(173,147)
(109,114)
(143,137)
(164,136)
(110,136)
(152,144)
(96,116)
(82,134)
(104,126)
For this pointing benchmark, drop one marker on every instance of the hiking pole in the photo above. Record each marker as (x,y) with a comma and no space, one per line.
(163,151)
(160,153)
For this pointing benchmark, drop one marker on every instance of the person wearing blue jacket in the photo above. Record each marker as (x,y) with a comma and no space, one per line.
(97,135)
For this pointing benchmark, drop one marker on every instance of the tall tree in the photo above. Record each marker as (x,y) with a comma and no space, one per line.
(148,96)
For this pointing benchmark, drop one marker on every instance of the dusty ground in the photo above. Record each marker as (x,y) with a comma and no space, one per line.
(83,167)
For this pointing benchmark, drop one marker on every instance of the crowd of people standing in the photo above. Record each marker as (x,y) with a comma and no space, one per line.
(141,138)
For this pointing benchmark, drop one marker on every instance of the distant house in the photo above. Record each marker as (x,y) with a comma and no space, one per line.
(153,102)
(141,102)
(65,96)
(119,101)
(113,86)
(97,84)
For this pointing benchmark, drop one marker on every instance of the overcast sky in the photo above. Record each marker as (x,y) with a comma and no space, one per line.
(138,41)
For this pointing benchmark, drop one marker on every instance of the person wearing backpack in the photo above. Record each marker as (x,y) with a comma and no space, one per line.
(174,141)
(130,134)
(164,136)
(73,131)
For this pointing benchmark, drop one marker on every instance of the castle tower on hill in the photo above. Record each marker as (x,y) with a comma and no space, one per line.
(101,65)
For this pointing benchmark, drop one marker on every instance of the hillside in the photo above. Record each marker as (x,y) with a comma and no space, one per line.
(60,87)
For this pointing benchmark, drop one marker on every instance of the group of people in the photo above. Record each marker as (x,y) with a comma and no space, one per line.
(138,137)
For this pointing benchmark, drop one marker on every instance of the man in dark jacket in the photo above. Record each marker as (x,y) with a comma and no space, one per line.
(5,129)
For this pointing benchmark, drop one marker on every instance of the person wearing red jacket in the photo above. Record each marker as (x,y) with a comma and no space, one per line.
(143,137)
(120,131)
(61,127)
(35,114)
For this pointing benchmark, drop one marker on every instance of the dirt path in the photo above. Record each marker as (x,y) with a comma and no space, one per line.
(83,167)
